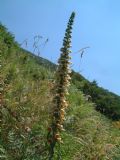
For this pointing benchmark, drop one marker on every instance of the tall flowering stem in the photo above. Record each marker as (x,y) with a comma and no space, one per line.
(61,90)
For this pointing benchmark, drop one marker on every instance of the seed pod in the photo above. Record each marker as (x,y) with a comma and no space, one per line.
(49,129)
(57,136)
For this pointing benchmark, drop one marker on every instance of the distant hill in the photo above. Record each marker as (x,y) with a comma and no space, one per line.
(107,103)
(26,92)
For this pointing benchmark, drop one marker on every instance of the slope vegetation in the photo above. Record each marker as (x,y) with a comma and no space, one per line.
(26,89)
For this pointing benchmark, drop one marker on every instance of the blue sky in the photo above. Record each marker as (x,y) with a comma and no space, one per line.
(97,24)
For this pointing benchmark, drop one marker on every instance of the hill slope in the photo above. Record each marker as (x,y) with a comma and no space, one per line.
(27,83)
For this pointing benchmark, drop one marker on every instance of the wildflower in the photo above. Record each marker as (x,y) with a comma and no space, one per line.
(61,90)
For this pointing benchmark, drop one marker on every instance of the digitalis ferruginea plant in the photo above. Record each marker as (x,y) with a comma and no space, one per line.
(61,90)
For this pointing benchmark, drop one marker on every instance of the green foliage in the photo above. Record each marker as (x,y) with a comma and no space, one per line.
(106,102)
(6,37)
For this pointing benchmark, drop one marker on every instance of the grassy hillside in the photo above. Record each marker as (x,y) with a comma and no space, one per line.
(26,89)
(106,102)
